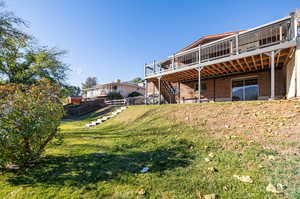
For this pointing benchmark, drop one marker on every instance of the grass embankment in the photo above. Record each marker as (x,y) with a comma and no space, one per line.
(191,150)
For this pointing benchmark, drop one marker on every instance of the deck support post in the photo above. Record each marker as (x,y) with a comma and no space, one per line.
(272,55)
(153,93)
(159,94)
(146,83)
(297,67)
(146,92)
(272,75)
(199,85)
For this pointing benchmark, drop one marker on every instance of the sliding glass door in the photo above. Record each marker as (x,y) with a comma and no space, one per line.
(246,89)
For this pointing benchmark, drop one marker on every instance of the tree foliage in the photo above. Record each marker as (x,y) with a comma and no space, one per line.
(29,120)
(22,60)
(137,80)
(114,95)
(134,94)
(31,78)
(89,83)
(70,90)
(8,25)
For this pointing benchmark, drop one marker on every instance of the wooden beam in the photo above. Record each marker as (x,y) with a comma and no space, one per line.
(261,60)
(213,67)
(254,62)
(207,70)
(234,66)
(291,51)
(277,60)
(222,68)
(229,68)
(239,63)
(245,60)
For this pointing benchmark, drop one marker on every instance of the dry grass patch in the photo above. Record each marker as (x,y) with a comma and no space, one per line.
(273,124)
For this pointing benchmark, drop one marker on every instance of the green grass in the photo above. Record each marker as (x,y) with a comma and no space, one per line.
(105,162)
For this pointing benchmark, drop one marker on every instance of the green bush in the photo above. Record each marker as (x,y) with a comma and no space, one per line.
(114,96)
(134,94)
(29,120)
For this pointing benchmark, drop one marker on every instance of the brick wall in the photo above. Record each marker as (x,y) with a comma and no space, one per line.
(221,91)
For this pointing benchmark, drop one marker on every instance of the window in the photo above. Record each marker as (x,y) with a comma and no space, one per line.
(246,89)
(203,87)
(115,87)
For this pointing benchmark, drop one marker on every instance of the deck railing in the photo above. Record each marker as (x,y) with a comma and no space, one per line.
(260,37)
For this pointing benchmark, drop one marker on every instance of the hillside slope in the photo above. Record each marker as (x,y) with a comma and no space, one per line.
(190,150)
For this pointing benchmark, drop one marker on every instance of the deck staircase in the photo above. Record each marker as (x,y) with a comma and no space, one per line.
(167,91)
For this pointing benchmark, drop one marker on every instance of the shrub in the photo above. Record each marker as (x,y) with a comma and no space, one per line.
(29,120)
(114,96)
(134,94)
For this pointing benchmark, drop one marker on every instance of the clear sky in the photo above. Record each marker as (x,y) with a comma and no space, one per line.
(112,39)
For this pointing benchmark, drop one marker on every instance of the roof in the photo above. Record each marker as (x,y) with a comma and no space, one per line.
(128,83)
(207,39)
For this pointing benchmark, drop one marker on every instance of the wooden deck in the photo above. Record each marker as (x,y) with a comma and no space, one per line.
(269,46)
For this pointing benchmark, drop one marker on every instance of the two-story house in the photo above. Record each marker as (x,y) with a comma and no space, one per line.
(254,64)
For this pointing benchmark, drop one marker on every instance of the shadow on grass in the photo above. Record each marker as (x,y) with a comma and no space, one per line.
(120,131)
(94,167)
(92,115)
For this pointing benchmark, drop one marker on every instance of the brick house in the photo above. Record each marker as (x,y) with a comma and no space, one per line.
(255,64)
(124,88)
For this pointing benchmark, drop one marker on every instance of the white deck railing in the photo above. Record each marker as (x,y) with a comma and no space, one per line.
(270,34)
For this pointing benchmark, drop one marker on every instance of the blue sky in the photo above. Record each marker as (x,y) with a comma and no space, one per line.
(112,39)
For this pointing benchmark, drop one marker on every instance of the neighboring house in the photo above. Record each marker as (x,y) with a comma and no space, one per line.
(124,88)
(259,63)
(74,99)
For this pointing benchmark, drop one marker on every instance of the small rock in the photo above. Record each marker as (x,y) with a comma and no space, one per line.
(211,155)
(206,159)
(227,126)
(141,192)
(281,186)
(12,166)
(225,188)
(272,188)
(212,169)
(270,134)
(210,196)
(271,157)
(269,130)
(243,178)
(13,193)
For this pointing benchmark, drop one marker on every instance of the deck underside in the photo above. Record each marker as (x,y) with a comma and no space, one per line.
(251,63)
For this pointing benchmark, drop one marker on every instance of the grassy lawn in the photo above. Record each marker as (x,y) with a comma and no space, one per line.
(184,161)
